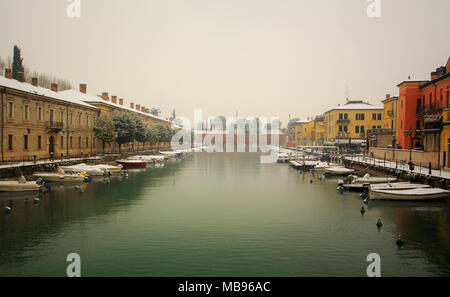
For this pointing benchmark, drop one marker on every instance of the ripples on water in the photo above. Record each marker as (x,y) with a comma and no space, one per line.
(219,215)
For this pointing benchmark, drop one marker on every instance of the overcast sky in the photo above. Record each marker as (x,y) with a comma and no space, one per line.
(260,57)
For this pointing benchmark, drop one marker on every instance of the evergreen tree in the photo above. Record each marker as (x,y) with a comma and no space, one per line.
(17,66)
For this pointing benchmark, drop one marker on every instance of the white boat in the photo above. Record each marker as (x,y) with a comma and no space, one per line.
(149,159)
(410,195)
(338,171)
(322,165)
(109,168)
(398,186)
(60,177)
(91,170)
(17,186)
(374,180)
(282,158)
(386,186)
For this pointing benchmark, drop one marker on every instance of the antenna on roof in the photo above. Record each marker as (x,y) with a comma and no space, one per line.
(347,92)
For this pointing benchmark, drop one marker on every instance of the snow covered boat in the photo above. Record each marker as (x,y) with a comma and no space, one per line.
(374,180)
(172,154)
(17,186)
(320,167)
(110,168)
(410,195)
(132,164)
(61,177)
(91,170)
(338,171)
(283,158)
(295,164)
(149,159)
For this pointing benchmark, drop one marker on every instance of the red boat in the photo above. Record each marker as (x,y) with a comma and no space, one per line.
(132,164)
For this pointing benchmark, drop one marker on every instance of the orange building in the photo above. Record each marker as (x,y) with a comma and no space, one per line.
(420,110)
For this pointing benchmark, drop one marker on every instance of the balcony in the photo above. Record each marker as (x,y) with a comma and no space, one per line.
(343,121)
(429,109)
(55,126)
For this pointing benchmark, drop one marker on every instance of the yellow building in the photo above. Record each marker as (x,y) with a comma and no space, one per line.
(352,121)
(319,130)
(301,133)
(390,114)
(445,141)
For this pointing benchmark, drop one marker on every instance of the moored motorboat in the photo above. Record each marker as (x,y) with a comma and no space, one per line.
(410,195)
(91,170)
(110,168)
(61,177)
(359,187)
(17,186)
(374,179)
(132,164)
(338,171)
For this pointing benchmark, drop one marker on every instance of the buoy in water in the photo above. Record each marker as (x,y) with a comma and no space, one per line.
(362,210)
(7,209)
(400,241)
(366,201)
(379,223)
(36,200)
(311,181)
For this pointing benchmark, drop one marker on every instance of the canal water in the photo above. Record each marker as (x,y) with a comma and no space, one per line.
(219,215)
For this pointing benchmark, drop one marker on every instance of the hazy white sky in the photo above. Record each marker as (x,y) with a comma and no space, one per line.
(260,57)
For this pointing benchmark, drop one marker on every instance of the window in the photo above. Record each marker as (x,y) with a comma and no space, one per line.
(39,114)
(357,129)
(345,129)
(61,116)
(87,142)
(340,128)
(10,142)
(25,112)
(10,110)
(374,127)
(39,141)
(79,142)
(71,118)
(379,127)
(360,117)
(25,142)
(448,97)
(345,116)
(417,125)
(79,119)
(379,116)
(392,124)
(340,116)
(362,130)
(62,142)
(51,116)
(71,142)
(87,120)
(374,116)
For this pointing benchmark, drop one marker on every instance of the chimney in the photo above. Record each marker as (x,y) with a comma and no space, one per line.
(34,81)
(434,75)
(388,96)
(132,105)
(138,107)
(105,96)
(114,99)
(54,87)
(8,73)
(21,76)
(83,88)
(121,101)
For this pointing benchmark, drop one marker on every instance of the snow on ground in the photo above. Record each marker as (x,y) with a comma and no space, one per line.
(402,167)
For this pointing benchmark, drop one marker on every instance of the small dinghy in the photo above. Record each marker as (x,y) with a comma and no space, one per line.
(374,180)
(410,195)
(22,185)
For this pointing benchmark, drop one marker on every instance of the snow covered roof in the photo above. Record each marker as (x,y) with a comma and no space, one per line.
(357,105)
(29,88)
(95,99)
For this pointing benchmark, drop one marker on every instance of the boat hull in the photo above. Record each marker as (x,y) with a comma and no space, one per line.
(55,177)
(13,186)
(407,195)
(133,165)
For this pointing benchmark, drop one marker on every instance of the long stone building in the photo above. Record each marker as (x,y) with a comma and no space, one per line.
(40,123)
